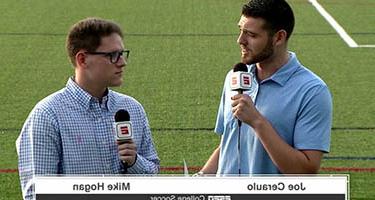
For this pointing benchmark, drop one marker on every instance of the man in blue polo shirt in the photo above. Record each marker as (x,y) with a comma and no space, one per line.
(286,115)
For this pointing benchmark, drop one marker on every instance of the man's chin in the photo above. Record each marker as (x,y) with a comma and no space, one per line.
(246,60)
(116,83)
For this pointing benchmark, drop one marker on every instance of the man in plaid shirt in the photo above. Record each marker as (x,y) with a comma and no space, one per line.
(71,131)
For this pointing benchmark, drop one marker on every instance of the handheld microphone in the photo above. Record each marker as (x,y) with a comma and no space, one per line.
(123,129)
(241,79)
(123,125)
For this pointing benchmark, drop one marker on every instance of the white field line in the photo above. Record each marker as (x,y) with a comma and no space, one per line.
(367,45)
(345,36)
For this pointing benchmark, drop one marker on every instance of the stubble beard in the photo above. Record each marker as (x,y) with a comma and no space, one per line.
(266,53)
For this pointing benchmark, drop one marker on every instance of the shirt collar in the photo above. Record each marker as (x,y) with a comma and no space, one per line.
(104,101)
(282,75)
(111,102)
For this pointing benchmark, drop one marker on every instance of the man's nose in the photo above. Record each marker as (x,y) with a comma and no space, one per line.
(122,61)
(240,39)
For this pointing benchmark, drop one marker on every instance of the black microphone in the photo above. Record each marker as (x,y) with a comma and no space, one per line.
(123,129)
(240,67)
(123,125)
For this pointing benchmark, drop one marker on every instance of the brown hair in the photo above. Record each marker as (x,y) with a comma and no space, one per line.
(277,13)
(87,33)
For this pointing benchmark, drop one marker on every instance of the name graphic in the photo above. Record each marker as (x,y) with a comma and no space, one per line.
(100,186)
(276,187)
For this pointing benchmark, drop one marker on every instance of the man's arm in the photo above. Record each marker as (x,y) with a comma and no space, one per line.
(212,163)
(285,157)
(146,160)
(38,150)
(313,124)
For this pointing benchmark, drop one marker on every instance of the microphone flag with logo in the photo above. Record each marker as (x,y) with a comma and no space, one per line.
(123,125)
(240,79)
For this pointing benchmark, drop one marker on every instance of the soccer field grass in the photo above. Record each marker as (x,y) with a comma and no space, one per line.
(180,53)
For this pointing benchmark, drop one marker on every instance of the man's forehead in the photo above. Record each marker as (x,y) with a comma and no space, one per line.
(242,21)
(114,37)
(112,42)
(250,22)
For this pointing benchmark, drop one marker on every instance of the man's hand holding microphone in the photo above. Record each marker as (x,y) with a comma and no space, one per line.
(242,105)
(126,146)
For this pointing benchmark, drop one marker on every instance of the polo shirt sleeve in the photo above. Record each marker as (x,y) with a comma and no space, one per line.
(314,121)
(219,127)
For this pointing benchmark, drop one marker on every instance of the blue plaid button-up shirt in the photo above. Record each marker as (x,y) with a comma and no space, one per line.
(71,132)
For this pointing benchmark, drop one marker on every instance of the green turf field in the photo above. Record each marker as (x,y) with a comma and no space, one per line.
(180,53)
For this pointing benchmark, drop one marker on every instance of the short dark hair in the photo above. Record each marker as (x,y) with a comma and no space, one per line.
(277,14)
(87,34)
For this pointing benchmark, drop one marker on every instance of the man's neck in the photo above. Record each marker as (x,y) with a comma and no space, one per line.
(92,89)
(267,68)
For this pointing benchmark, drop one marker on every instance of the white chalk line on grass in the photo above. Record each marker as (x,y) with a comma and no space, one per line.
(338,28)
(367,45)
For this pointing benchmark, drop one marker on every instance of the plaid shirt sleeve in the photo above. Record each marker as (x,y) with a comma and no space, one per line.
(147,159)
(38,149)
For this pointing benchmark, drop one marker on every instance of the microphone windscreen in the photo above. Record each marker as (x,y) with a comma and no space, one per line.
(122,115)
(240,67)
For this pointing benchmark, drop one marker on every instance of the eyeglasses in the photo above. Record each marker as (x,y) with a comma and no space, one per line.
(114,56)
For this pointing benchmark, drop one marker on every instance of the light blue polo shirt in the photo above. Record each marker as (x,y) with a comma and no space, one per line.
(294,100)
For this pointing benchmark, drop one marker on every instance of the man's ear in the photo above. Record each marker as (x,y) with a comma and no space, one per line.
(280,37)
(81,59)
